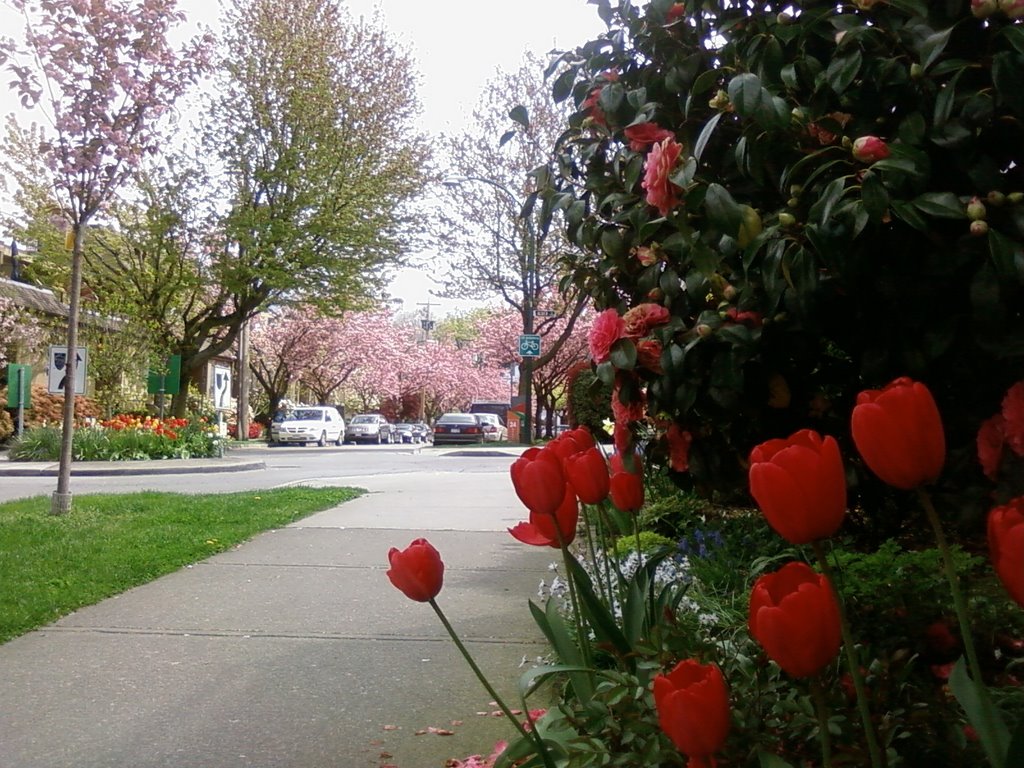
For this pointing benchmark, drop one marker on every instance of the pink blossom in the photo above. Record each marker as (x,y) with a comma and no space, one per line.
(608,328)
(641,136)
(641,319)
(661,161)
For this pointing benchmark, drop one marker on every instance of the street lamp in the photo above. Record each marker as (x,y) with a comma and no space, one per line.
(529,291)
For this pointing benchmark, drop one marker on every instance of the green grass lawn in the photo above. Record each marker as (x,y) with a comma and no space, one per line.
(51,566)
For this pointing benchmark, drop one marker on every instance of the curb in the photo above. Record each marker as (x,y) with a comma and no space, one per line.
(114,469)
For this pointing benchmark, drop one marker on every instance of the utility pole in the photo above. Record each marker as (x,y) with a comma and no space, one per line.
(243,382)
(427,325)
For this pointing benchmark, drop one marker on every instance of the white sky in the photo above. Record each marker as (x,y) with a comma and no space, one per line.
(458,44)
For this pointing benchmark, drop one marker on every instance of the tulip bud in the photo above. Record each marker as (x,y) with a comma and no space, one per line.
(982,9)
(870,149)
(976,209)
(787,219)
(979,228)
(995,197)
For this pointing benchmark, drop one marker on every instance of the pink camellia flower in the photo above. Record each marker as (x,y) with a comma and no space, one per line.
(661,161)
(870,149)
(641,136)
(646,256)
(982,9)
(608,328)
(641,319)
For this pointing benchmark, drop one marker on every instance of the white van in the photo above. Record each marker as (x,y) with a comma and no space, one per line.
(320,424)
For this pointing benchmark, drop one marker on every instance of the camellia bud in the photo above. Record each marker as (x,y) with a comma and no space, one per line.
(1015,197)
(979,228)
(866,5)
(798,114)
(982,9)
(796,189)
(704,330)
(976,209)
(870,149)
(1013,9)
(730,293)
(750,227)
(783,18)
(792,202)
(916,71)
(720,100)
(995,197)
(787,219)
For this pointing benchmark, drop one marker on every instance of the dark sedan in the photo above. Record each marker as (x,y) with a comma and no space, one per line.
(457,428)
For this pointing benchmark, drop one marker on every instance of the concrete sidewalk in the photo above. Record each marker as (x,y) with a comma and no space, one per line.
(293,650)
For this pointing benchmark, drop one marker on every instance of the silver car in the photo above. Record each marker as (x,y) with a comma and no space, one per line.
(370,428)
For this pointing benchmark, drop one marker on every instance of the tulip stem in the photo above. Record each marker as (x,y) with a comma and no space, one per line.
(821,707)
(874,752)
(532,733)
(592,552)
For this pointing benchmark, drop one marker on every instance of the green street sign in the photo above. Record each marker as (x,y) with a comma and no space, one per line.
(19,385)
(168,380)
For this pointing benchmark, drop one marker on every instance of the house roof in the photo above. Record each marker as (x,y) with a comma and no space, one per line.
(43,301)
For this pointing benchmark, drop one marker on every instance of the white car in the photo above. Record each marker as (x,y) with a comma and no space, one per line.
(494,430)
(320,424)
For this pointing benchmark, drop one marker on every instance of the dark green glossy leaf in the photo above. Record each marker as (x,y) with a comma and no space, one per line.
(843,69)
(505,137)
(933,46)
(746,93)
(705,81)
(705,135)
(561,89)
(821,211)
(612,243)
(1015,36)
(790,78)
(768,760)
(723,211)
(981,713)
(519,115)
(913,128)
(943,205)
(875,197)
(1009,79)
(1004,253)
(705,258)
(623,354)
(911,7)
(907,213)
(597,615)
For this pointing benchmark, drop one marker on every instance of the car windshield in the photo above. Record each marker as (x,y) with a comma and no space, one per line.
(403,426)
(457,418)
(304,414)
(364,420)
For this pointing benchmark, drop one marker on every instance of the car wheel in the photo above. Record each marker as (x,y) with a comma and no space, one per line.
(379,438)
(322,442)
(341,439)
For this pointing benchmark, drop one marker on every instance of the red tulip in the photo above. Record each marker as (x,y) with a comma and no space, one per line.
(693,709)
(538,480)
(626,485)
(587,473)
(1006,546)
(795,617)
(544,530)
(899,433)
(800,486)
(417,570)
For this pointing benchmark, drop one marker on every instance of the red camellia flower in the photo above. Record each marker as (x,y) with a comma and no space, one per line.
(608,328)
(538,480)
(543,530)
(679,441)
(898,432)
(693,710)
(1013,415)
(795,617)
(417,570)
(870,149)
(587,473)
(658,167)
(800,486)
(990,440)
(1006,546)
(641,136)
(648,355)
(643,318)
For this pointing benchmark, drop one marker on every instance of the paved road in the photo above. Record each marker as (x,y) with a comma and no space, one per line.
(292,650)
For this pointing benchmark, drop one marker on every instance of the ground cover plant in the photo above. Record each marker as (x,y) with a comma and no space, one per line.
(51,565)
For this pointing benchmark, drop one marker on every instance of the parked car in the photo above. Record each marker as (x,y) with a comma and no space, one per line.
(406,433)
(454,428)
(494,430)
(303,424)
(370,428)
(424,432)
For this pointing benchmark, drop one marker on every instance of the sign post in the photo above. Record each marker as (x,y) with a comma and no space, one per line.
(529,345)
(165,381)
(19,393)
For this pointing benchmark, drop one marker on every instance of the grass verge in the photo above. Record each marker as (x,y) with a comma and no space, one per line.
(51,566)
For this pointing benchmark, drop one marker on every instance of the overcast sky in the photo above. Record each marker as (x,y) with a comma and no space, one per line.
(458,46)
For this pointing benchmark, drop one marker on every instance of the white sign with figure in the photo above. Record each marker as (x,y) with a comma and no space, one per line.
(221,388)
(56,373)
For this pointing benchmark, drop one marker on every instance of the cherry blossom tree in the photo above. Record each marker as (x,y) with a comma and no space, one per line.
(278,350)
(103,73)
(21,332)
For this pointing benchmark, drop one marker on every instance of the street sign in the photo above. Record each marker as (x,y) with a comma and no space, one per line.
(543,313)
(166,381)
(19,388)
(529,345)
(58,364)
(221,388)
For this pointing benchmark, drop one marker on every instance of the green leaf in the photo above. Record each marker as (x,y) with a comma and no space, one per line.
(561,89)
(1009,80)
(875,196)
(605,627)
(1014,35)
(944,101)
(705,135)
(1004,252)
(746,93)
(553,625)
(519,115)
(981,713)
(933,46)
(1015,754)
(505,137)
(705,81)
(822,209)
(942,205)
(623,354)
(843,69)
(906,212)
(722,210)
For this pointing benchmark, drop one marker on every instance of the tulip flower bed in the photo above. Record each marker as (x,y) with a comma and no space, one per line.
(764,637)
(125,437)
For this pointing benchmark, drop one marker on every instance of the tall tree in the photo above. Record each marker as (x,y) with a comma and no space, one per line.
(103,72)
(496,246)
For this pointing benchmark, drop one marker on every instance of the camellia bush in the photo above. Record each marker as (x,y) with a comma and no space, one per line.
(803,200)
